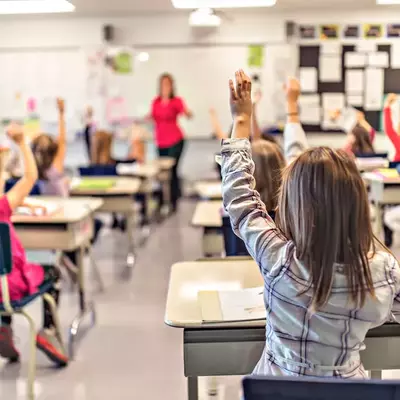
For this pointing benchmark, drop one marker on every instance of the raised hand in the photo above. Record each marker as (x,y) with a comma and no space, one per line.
(240,96)
(60,105)
(16,133)
(292,90)
(360,116)
(390,99)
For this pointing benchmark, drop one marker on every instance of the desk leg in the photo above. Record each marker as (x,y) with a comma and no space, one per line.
(376,374)
(193,388)
(131,258)
(96,271)
(85,308)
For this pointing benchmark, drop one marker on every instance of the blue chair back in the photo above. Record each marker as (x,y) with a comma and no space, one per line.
(98,170)
(5,249)
(394,164)
(372,155)
(266,388)
(11,182)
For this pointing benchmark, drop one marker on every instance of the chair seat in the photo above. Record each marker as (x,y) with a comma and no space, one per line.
(19,304)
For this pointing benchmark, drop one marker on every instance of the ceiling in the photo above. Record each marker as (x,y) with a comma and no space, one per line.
(125,7)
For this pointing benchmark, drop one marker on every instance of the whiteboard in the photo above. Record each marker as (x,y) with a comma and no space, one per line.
(43,75)
(201,77)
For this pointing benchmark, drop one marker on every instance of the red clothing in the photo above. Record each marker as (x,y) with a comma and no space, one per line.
(391,133)
(165,116)
(24,278)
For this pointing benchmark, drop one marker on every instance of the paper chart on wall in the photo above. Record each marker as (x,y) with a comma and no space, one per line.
(330,103)
(366,47)
(354,81)
(330,68)
(333,48)
(355,100)
(378,60)
(395,55)
(354,60)
(374,89)
(310,109)
(309,79)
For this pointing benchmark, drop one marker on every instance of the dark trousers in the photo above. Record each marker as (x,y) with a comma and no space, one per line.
(175,152)
(88,142)
(50,273)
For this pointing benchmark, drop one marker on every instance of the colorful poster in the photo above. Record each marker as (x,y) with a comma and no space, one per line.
(122,63)
(373,31)
(329,32)
(351,31)
(307,32)
(255,56)
(393,30)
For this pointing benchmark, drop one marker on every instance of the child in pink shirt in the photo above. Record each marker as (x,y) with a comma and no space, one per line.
(25,278)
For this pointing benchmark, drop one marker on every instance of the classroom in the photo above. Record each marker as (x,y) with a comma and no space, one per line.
(200,199)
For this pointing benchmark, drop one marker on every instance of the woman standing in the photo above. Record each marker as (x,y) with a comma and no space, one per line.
(165,110)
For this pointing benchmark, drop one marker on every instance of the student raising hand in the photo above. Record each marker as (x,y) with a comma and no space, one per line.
(241,105)
(390,99)
(60,105)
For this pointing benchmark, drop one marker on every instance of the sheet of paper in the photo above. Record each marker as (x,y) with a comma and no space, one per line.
(330,68)
(355,100)
(309,79)
(365,46)
(354,79)
(331,48)
(310,109)
(331,102)
(348,119)
(379,60)
(374,89)
(395,55)
(354,60)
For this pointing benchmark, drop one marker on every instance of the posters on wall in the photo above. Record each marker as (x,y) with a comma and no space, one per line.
(378,60)
(393,31)
(331,102)
(330,68)
(354,79)
(354,60)
(351,31)
(329,32)
(373,31)
(255,57)
(307,32)
(310,109)
(374,90)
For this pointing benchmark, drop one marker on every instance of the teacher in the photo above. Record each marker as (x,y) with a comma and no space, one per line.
(165,110)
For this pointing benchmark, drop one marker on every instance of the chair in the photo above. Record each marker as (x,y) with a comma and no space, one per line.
(278,388)
(8,307)
(11,182)
(372,155)
(98,170)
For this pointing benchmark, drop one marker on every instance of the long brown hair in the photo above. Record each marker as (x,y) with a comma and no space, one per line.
(362,141)
(269,161)
(44,149)
(101,148)
(323,208)
(171,80)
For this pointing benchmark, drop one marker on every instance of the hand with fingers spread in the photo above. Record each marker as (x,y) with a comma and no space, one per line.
(240,96)
(60,105)
(292,89)
(16,133)
(390,99)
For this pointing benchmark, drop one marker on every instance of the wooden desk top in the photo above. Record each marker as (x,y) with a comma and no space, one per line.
(371,163)
(164,163)
(71,210)
(123,186)
(208,214)
(209,190)
(147,170)
(188,278)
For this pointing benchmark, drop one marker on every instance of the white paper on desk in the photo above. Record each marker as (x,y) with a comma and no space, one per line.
(374,86)
(356,100)
(378,60)
(309,79)
(330,68)
(331,102)
(365,46)
(334,48)
(310,109)
(395,55)
(354,79)
(242,305)
(354,60)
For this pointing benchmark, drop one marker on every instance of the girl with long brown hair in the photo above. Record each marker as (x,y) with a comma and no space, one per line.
(327,279)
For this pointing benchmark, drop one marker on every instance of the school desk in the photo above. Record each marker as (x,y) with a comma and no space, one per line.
(209,190)
(68,229)
(116,199)
(222,349)
(367,164)
(382,191)
(207,216)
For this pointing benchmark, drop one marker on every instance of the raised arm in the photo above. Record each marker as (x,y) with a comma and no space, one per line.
(389,128)
(59,159)
(24,185)
(365,124)
(255,127)
(247,212)
(217,129)
(294,137)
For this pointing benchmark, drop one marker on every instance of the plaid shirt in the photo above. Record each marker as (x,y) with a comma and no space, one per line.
(328,342)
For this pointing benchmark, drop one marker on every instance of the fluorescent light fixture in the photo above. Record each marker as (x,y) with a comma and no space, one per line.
(204,17)
(35,6)
(387,2)
(222,3)
(143,56)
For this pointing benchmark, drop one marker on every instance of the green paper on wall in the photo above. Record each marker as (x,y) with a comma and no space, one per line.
(123,63)
(255,56)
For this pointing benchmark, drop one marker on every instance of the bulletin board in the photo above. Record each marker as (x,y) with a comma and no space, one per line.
(309,57)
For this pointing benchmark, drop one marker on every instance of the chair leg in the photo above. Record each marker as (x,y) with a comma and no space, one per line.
(50,301)
(96,271)
(32,356)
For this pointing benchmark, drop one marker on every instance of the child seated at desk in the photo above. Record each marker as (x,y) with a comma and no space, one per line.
(25,278)
(327,280)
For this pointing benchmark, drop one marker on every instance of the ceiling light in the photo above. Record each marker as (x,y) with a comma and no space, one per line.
(222,3)
(143,56)
(204,17)
(35,6)
(387,2)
